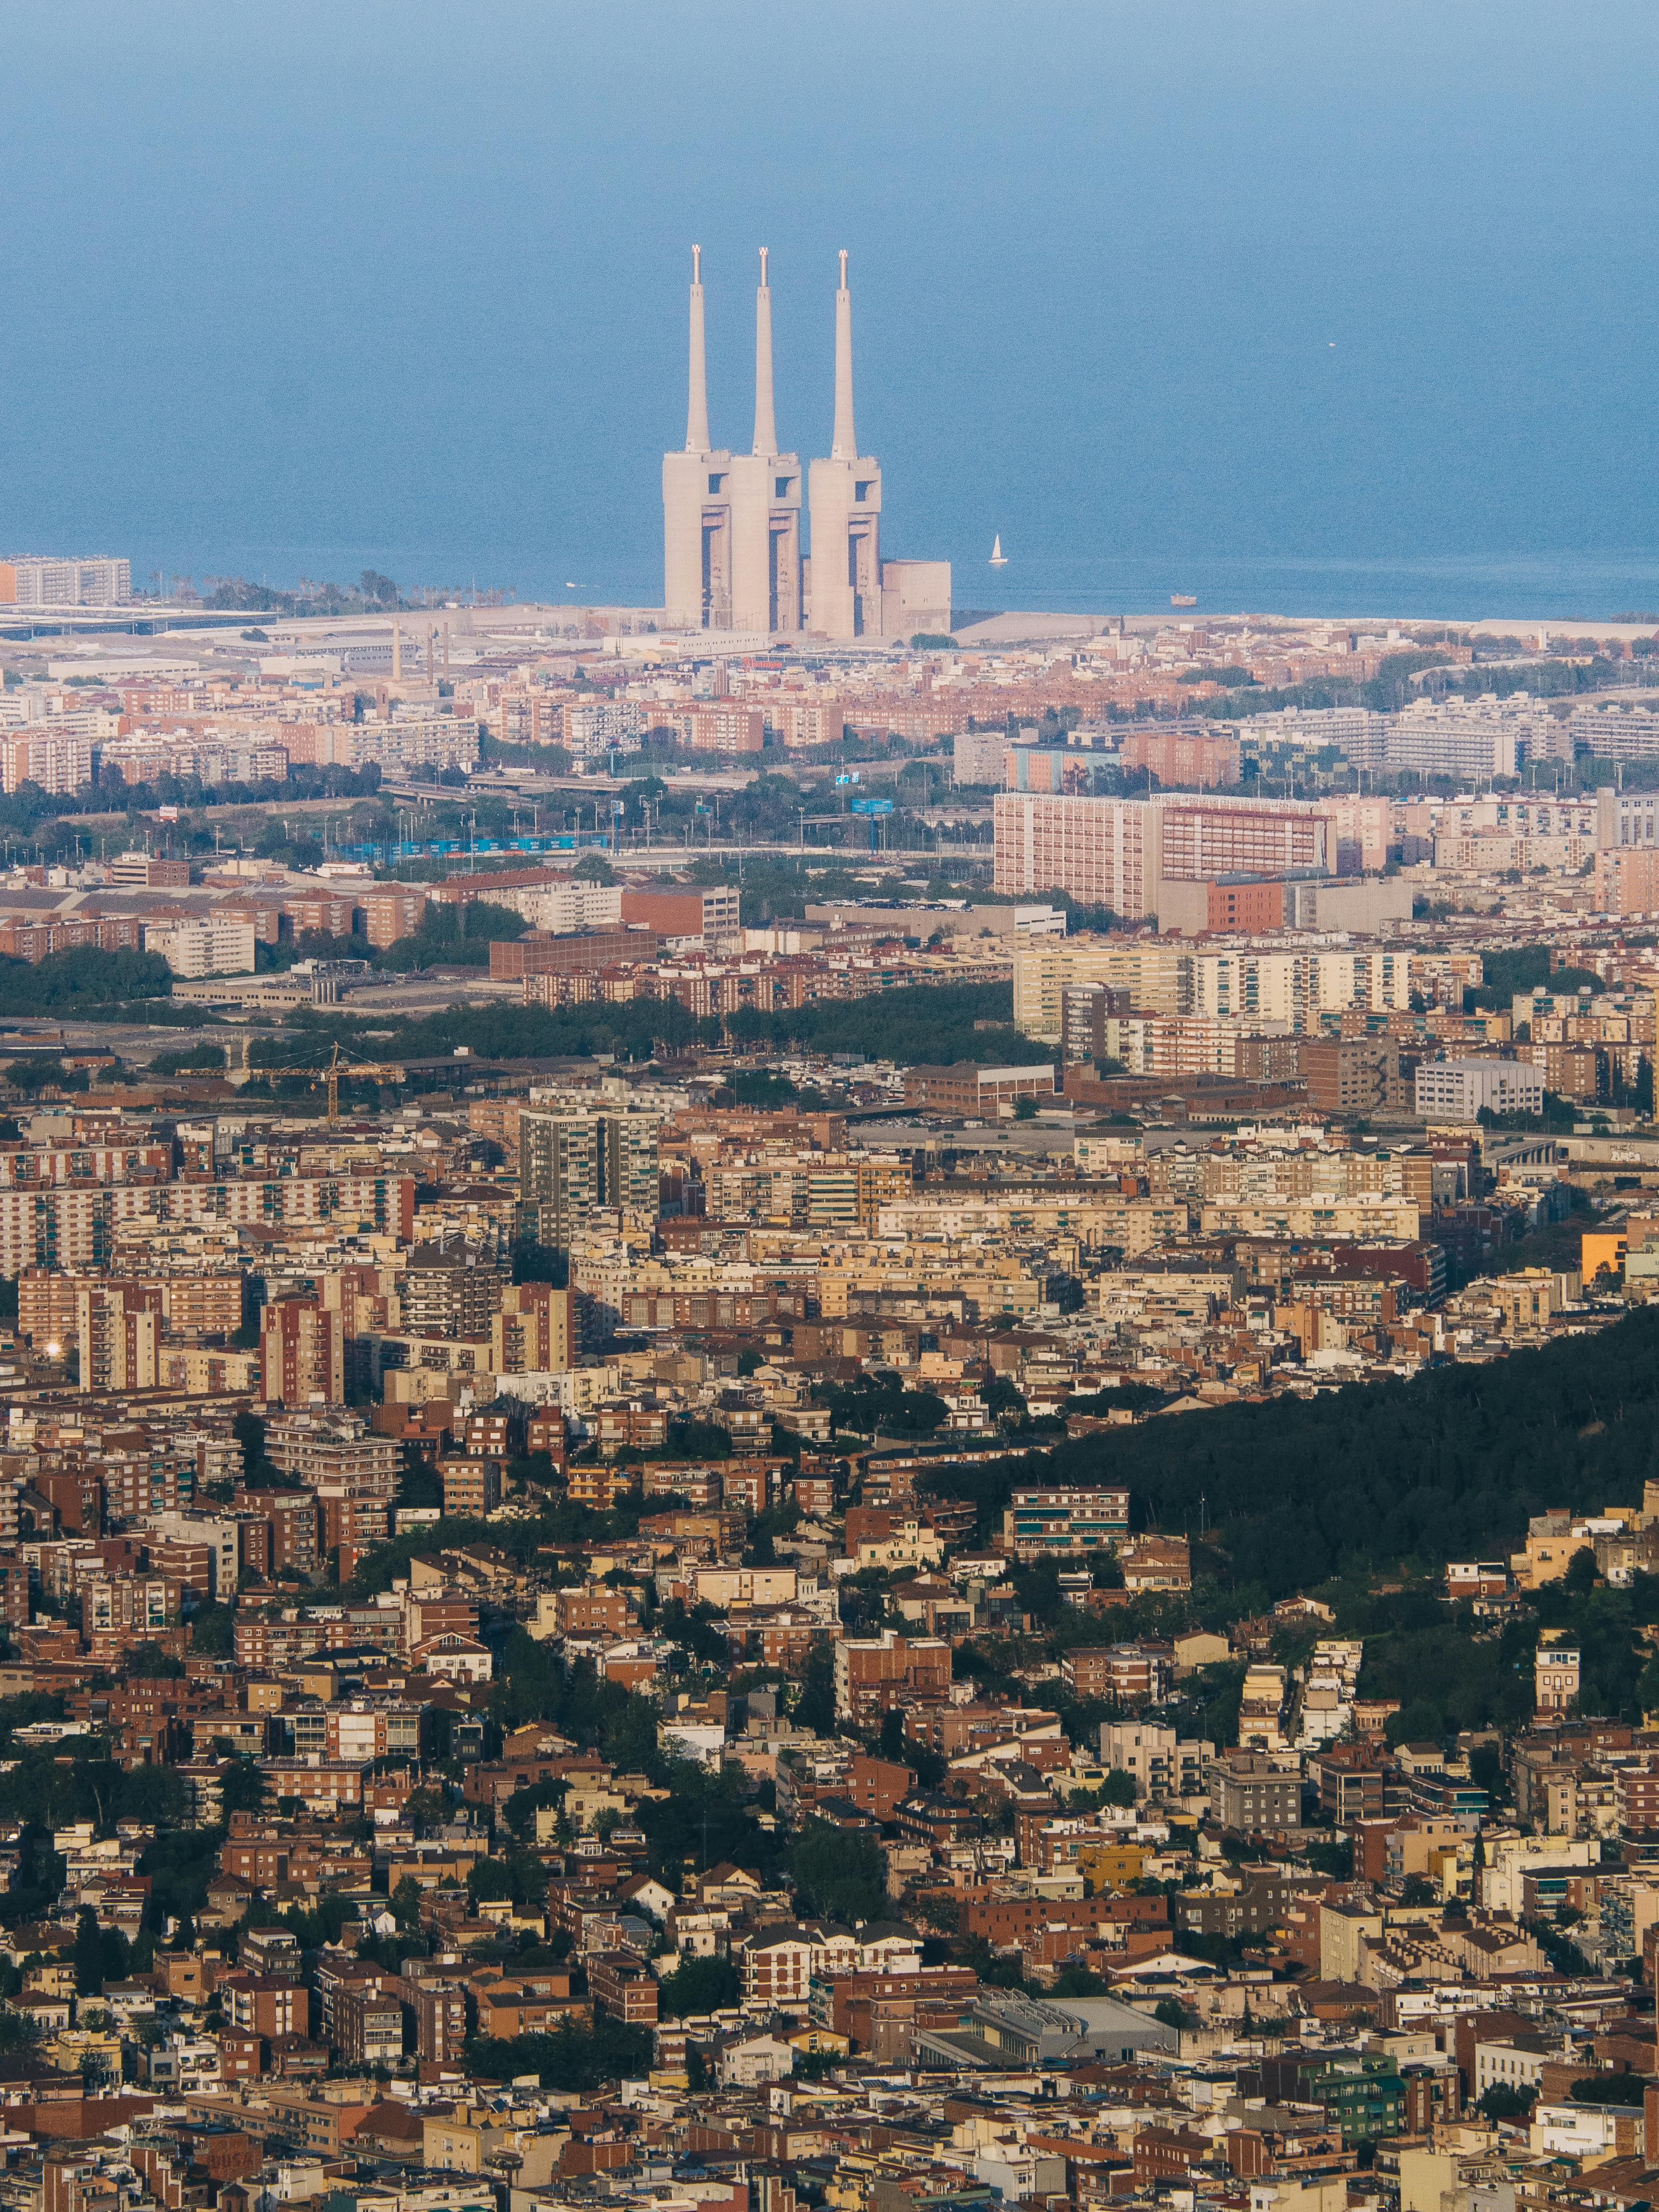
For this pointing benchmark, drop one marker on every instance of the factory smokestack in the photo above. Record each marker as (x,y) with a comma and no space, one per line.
(844,446)
(696,412)
(766,429)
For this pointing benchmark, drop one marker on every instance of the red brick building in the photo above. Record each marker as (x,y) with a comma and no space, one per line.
(621,1985)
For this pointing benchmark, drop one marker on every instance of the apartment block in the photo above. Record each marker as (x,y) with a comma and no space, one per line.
(1462,1089)
(1118,852)
(1254,1795)
(873,1674)
(1351,1076)
(1050,1524)
(302,1354)
(27,580)
(214,945)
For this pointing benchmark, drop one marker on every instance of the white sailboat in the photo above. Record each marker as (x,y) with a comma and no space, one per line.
(998,558)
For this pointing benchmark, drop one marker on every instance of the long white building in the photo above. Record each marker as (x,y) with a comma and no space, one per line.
(1270,988)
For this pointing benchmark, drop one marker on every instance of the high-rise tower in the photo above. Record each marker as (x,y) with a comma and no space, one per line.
(844,494)
(765,488)
(696,502)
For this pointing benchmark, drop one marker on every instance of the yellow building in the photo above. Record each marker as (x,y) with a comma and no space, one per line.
(1110,1866)
(94,2052)
(1600,1249)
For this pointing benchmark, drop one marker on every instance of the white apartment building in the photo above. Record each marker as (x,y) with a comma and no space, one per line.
(804,722)
(1472,740)
(1358,732)
(57,760)
(31,581)
(1294,988)
(221,1537)
(1458,1089)
(595,727)
(1615,733)
(1502,2065)
(1514,814)
(1624,818)
(419,741)
(143,756)
(562,904)
(214,945)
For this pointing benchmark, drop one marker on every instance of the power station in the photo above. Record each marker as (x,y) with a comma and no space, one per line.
(732,557)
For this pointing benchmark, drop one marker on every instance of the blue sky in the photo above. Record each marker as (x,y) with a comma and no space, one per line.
(1251,281)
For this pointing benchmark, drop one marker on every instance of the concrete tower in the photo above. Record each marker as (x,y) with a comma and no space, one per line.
(765,490)
(844,496)
(696,503)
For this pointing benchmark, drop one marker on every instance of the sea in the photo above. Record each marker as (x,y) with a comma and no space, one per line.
(1526,589)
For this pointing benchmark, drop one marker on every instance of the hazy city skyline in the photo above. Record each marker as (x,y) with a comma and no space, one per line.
(1284,309)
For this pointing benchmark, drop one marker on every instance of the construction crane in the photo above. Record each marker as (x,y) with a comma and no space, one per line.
(336,1067)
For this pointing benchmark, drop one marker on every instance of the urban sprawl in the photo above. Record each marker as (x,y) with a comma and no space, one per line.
(813,1412)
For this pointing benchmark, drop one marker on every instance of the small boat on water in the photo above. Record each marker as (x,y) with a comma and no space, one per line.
(998,558)
(1183,599)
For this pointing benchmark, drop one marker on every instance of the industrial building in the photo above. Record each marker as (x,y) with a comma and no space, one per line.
(732,557)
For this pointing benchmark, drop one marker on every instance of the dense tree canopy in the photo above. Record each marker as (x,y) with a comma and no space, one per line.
(1450,1465)
(82,981)
(928,1023)
(837,1874)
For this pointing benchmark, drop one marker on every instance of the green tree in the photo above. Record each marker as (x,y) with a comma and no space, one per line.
(249,1432)
(574,2058)
(699,1985)
(1503,2102)
(33,1075)
(1450,1465)
(840,1876)
(1627,2088)
(815,1708)
(243,1788)
(1581,1572)
(77,981)
(89,1955)
(1078,1982)
(213,1629)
